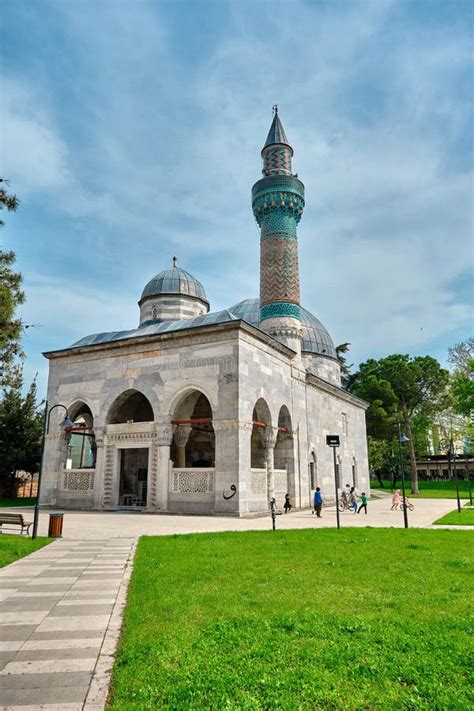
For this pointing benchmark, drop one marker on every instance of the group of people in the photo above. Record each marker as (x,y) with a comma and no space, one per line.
(349,498)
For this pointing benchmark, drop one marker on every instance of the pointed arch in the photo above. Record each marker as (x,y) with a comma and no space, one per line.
(130,406)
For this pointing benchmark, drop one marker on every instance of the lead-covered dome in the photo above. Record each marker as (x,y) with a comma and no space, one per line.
(174,281)
(316,339)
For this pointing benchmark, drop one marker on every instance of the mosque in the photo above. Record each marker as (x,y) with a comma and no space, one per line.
(209,412)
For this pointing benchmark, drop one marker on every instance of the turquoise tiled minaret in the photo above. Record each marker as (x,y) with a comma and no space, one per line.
(278,203)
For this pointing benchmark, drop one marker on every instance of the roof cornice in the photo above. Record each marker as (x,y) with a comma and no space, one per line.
(327,387)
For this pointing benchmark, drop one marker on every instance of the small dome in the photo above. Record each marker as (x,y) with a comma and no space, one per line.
(316,339)
(174,281)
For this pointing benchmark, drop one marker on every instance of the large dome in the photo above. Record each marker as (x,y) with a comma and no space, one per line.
(316,339)
(174,281)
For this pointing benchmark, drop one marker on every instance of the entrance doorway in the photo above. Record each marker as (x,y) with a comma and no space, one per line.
(133,477)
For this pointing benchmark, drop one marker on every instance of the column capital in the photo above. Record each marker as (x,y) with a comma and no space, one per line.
(181,434)
(269,437)
(164,434)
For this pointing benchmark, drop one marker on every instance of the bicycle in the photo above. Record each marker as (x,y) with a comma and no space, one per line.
(408,504)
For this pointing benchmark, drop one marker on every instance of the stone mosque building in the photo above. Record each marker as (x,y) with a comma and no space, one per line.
(209,412)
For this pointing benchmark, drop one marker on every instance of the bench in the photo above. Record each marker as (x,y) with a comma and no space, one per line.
(14,519)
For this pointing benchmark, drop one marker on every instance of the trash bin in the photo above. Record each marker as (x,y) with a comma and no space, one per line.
(55,529)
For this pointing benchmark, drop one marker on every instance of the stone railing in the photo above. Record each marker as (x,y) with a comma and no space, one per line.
(78,480)
(192,481)
(258,482)
(281,481)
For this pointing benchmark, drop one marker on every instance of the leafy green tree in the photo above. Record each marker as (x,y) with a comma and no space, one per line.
(462,390)
(398,387)
(11,296)
(20,433)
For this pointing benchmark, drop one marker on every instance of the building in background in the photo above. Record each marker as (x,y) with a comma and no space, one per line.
(207,412)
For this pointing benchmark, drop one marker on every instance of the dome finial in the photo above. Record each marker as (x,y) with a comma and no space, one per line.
(275,108)
(175,260)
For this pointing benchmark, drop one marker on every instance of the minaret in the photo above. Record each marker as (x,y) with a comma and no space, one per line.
(278,203)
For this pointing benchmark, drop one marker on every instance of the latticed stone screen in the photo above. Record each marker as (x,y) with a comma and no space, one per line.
(79,480)
(192,481)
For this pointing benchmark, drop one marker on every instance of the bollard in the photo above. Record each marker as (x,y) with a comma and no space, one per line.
(55,529)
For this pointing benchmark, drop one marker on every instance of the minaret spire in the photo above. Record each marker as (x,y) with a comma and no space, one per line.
(278,203)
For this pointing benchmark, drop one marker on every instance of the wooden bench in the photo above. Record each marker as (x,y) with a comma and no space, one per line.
(14,519)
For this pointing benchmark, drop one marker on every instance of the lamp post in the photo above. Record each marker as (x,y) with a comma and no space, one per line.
(64,424)
(451,457)
(333,441)
(402,438)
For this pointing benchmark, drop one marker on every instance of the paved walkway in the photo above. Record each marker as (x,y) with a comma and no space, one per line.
(60,617)
(81,525)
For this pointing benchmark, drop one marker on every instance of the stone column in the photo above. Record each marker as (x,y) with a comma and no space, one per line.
(164,435)
(181,436)
(269,438)
(99,466)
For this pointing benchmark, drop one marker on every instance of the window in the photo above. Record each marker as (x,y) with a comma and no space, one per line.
(344,423)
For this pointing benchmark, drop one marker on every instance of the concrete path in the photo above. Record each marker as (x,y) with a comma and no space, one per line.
(60,618)
(99,525)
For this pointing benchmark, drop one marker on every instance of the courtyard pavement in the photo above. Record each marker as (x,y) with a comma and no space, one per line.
(89,525)
(61,607)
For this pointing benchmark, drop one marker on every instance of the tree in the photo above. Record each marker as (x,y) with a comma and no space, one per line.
(20,433)
(460,355)
(398,387)
(345,369)
(11,296)
(462,390)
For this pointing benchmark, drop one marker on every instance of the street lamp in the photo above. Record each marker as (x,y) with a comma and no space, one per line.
(451,456)
(67,422)
(333,441)
(402,438)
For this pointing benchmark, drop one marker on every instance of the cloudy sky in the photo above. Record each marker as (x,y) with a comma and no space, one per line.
(132,131)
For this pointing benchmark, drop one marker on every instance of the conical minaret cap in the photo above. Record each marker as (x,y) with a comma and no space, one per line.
(276,133)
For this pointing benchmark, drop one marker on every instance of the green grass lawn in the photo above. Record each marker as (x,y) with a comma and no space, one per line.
(14,546)
(307,619)
(465,518)
(25,501)
(429,489)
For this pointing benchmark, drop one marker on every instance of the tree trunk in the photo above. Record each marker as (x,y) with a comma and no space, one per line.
(411,451)
(379,479)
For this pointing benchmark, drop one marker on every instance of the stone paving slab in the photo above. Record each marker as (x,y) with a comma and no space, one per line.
(55,613)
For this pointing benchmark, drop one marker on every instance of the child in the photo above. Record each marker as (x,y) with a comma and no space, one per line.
(363,505)
(287,505)
(395,499)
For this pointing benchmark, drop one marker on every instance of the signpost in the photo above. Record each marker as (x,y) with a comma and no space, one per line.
(333,441)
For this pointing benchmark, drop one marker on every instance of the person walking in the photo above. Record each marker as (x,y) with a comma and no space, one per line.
(353,499)
(363,504)
(287,504)
(318,502)
(395,500)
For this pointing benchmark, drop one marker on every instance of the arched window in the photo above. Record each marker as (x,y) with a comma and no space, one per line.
(81,447)
(313,473)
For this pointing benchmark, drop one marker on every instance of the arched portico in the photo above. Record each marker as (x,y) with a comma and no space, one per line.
(192,454)
(129,461)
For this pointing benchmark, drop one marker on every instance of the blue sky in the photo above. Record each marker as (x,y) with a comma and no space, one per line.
(132,132)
